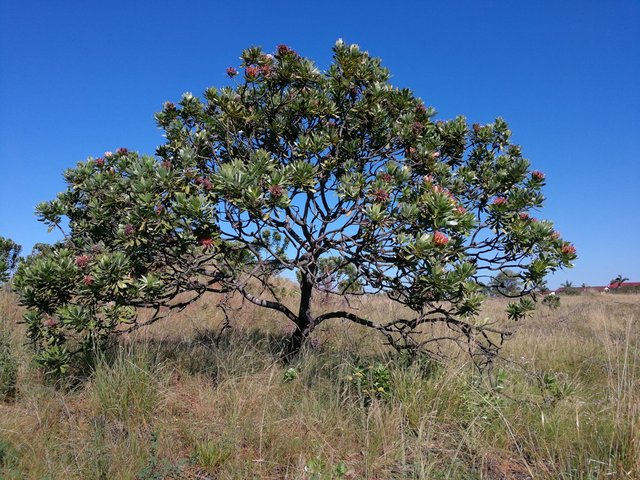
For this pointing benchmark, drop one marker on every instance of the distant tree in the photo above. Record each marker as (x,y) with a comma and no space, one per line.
(569,289)
(9,258)
(338,176)
(507,283)
(616,282)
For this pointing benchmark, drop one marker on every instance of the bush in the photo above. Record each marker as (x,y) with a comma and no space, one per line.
(336,176)
(8,369)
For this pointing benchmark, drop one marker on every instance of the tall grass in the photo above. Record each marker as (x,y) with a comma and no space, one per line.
(180,401)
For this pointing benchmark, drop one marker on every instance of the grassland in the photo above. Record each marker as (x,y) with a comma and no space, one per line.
(182,401)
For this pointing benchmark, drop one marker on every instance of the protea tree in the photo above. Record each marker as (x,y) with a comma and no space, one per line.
(335,175)
(9,258)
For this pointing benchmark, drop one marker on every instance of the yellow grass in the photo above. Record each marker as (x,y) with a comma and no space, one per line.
(176,401)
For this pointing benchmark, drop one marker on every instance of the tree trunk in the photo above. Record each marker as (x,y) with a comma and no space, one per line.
(305,322)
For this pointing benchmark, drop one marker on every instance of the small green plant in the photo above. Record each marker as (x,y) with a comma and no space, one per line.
(551,301)
(8,369)
(211,455)
(8,456)
(317,469)
(157,469)
(553,387)
(370,382)
(290,374)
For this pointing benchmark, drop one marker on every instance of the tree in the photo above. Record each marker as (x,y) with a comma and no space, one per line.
(618,281)
(9,258)
(507,283)
(333,175)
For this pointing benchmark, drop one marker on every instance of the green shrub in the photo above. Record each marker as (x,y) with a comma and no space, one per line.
(8,368)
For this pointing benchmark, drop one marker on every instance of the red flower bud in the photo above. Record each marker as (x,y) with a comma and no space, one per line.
(568,249)
(380,195)
(283,50)
(461,210)
(386,177)
(523,216)
(440,238)
(206,242)
(500,201)
(538,175)
(87,280)
(276,191)
(122,151)
(232,72)
(265,70)
(100,162)
(50,322)
(252,72)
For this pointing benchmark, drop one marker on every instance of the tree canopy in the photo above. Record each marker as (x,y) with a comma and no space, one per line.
(335,177)
(9,258)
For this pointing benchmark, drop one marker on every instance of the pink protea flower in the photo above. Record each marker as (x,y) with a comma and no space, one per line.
(252,71)
(169,105)
(428,179)
(232,72)
(568,249)
(500,201)
(50,322)
(83,260)
(420,108)
(555,235)
(122,151)
(523,216)
(108,154)
(538,175)
(440,239)
(265,70)
(386,177)
(129,229)
(100,162)
(88,280)
(276,191)
(461,210)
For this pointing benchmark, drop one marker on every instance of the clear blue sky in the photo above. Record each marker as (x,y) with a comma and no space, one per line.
(78,78)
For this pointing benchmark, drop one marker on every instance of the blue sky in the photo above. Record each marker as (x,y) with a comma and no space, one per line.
(78,78)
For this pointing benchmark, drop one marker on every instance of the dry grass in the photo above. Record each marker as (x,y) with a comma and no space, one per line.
(176,401)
